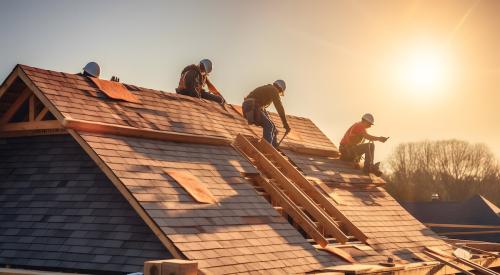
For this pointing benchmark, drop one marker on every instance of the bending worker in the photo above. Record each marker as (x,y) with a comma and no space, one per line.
(254,109)
(352,146)
(193,80)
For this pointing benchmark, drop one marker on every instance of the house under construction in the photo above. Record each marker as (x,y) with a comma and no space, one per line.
(100,177)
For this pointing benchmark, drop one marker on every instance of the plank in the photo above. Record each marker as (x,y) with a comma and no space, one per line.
(462,233)
(192,185)
(9,80)
(15,106)
(42,114)
(104,128)
(115,90)
(128,196)
(31,116)
(472,226)
(496,255)
(446,262)
(294,192)
(31,125)
(338,252)
(311,190)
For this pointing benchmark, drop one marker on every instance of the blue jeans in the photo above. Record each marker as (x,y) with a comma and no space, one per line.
(261,118)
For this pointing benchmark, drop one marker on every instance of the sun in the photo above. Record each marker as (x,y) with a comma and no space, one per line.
(423,72)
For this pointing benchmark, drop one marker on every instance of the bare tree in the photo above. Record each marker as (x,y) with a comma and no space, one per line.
(454,169)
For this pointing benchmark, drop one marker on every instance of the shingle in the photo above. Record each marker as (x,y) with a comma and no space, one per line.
(50,229)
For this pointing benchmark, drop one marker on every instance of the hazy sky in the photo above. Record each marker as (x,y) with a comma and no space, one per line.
(425,69)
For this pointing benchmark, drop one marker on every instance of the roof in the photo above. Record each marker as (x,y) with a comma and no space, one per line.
(476,211)
(59,210)
(242,232)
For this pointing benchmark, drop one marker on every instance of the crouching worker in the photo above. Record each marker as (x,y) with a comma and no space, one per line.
(193,80)
(352,146)
(254,109)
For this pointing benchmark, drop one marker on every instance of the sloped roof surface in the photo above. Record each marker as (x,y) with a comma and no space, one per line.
(242,233)
(476,210)
(391,230)
(58,209)
(77,97)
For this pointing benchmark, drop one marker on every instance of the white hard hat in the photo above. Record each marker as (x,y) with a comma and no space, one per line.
(207,65)
(368,118)
(93,69)
(280,84)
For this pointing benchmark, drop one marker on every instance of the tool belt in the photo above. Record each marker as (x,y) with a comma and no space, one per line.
(250,110)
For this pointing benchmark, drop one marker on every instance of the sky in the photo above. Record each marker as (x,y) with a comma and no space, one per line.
(427,70)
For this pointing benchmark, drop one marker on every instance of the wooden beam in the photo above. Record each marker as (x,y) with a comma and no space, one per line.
(310,189)
(32,108)
(339,253)
(311,151)
(15,106)
(446,262)
(462,233)
(473,226)
(39,94)
(292,210)
(31,125)
(128,196)
(294,192)
(10,79)
(42,114)
(104,128)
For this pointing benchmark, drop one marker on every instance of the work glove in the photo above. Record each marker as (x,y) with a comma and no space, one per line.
(287,128)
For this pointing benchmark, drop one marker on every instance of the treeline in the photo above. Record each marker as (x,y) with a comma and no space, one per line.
(454,169)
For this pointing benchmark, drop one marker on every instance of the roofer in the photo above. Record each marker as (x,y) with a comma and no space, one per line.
(254,109)
(352,146)
(193,80)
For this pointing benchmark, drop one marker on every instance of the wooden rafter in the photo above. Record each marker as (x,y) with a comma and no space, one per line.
(32,108)
(15,106)
(42,114)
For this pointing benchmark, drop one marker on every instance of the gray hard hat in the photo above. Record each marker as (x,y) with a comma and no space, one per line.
(207,65)
(93,69)
(280,84)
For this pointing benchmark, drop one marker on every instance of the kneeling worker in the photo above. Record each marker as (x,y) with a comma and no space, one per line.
(193,80)
(352,146)
(255,104)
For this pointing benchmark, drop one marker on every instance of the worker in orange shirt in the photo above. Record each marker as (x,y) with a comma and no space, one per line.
(352,146)
(193,80)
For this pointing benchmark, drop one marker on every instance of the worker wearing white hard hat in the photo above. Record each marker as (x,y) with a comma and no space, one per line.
(255,104)
(352,146)
(194,79)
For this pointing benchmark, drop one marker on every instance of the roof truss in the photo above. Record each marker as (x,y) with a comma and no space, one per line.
(27,114)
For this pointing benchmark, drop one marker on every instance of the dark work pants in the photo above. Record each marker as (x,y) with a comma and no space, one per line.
(354,152)
(204,94)
(261,118)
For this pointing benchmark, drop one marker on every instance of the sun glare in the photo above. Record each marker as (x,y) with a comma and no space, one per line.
(423,72)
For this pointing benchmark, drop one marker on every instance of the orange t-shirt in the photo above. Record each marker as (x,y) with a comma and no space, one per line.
(354,135)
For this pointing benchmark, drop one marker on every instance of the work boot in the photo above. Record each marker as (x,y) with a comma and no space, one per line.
(375,169)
